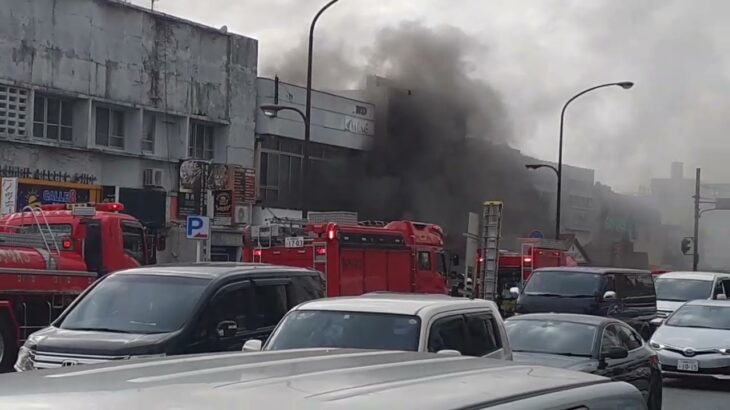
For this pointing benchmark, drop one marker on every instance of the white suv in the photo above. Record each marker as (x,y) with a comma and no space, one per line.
(393,321)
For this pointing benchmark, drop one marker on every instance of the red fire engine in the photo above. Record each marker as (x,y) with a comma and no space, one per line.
(400,256)
(49,255)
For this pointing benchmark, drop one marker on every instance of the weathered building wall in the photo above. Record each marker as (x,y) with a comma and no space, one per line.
(135,89)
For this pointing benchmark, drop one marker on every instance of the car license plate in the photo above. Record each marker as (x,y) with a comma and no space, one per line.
(688,365)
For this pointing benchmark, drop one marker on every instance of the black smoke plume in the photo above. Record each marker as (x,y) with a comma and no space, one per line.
(440,147)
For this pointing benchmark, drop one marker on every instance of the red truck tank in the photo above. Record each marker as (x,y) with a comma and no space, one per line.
(401,256)
(49,255)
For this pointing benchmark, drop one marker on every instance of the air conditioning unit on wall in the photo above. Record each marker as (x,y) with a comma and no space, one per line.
(152,177)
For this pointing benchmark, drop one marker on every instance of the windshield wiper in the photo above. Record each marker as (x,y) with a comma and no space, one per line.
(698,327)
(554,295)
(96,329)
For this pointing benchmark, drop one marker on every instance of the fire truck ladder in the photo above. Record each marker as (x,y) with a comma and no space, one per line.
(490,235)
(44,238)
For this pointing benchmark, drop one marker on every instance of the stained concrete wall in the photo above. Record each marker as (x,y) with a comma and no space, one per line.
(113,52)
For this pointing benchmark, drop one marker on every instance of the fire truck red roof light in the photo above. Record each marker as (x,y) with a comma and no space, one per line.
(528,259)
(110,207)
(321,251)
(331,233)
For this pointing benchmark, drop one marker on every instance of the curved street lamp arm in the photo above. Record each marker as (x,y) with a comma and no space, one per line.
(297,110)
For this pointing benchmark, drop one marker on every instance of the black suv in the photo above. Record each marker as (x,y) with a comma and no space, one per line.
(169,310)
(624,294)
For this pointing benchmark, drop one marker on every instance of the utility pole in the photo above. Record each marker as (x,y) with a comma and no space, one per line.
(695,244)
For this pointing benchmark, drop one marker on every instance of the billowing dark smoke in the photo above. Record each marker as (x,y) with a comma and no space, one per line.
(440,146)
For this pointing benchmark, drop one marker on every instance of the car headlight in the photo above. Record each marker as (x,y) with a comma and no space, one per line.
(655,345)
(24,362)
(724,351)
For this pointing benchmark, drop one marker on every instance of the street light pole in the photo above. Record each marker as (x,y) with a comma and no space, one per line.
(557,174)
(625,85)
(308,111)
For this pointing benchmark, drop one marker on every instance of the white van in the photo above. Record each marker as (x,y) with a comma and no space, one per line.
(673,289)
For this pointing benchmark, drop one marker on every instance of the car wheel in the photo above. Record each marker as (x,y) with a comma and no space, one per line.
(654,401)
(8,350)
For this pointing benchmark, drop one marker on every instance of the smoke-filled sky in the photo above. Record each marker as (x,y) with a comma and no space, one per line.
(537,54)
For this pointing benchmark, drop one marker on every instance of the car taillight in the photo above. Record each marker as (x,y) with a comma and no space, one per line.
(67,244)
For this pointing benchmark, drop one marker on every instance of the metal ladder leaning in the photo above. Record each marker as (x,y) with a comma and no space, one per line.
(490,235)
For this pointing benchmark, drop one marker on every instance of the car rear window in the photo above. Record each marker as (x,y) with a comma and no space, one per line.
(563,283)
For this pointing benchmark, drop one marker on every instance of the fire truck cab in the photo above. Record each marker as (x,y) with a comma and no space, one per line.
(401,256)
(50,254)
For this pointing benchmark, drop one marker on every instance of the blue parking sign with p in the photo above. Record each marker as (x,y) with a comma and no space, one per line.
(198,227)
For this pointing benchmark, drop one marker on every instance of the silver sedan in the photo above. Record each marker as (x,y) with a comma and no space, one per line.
(695,340)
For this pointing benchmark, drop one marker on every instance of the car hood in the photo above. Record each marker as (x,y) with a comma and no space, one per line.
(682,337)
(668,305)
(56,340)
(584,364)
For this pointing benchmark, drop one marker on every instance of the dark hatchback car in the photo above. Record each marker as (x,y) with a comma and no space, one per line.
(168,310)
(625,294)
(591,344)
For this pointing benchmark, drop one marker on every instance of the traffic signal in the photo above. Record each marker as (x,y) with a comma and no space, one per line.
(686,245)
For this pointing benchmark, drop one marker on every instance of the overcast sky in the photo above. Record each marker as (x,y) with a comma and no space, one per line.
(537,54)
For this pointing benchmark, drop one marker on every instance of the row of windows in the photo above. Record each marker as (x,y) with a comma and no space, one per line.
(53,119)
(280,168)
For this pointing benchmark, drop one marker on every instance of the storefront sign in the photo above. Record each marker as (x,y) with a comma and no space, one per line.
(8,195)
(35,195)
(244,186)
(187,204)
(13,171)
(222,207)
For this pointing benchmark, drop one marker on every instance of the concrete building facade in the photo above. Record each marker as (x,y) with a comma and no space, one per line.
(340,127)
(102,100)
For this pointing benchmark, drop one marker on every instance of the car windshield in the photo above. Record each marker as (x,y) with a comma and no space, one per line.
(710,317)
(562,283)
(682,290)
(551,336)
(141,304)
(357,330)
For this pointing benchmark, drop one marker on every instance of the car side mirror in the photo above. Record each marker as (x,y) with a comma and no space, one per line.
(656,322)
(227,328)
(449,352)
(609,295)
(514,291)
(615,353)
(252,345)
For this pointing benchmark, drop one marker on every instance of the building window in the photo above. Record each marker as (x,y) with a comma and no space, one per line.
(13,108)
(109,127)
(200,144)
(52,118)
(148,133)
(280,168)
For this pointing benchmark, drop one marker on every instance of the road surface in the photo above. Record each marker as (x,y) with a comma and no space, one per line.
(696,395)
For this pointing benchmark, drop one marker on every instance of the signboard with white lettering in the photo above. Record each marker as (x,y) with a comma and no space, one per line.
(8,195)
